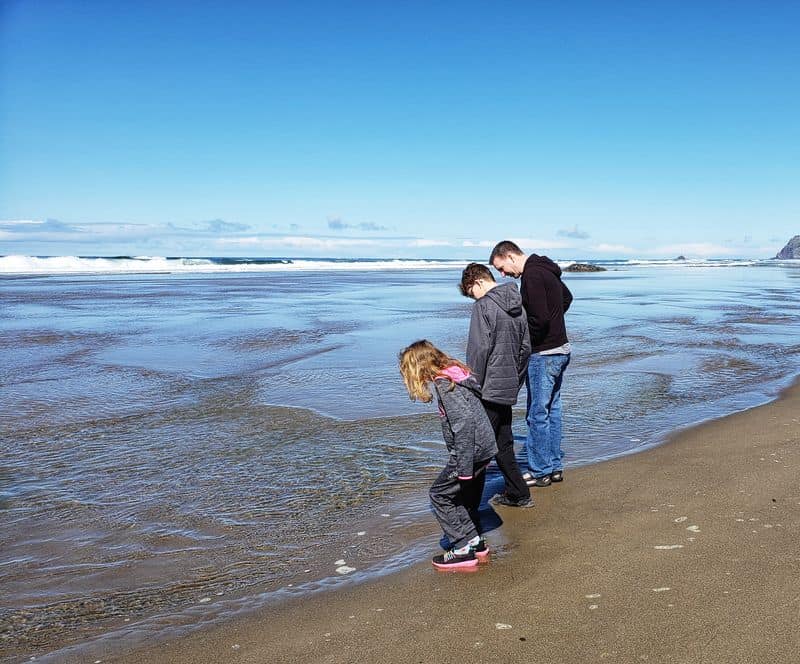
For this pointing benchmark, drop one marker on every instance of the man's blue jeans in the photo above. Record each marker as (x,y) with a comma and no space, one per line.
(543,446)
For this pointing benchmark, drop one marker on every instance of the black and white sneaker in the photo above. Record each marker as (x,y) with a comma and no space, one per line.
(530,480)
(452,560)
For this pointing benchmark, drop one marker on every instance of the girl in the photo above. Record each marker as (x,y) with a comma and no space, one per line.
(456,493)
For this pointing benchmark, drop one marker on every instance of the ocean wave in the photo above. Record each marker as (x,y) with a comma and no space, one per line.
(668,262)
(46,265)
(54,265)
(688,262)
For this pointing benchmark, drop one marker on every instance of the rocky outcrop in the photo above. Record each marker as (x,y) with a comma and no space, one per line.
(791,250)
(584,267)
(680,258)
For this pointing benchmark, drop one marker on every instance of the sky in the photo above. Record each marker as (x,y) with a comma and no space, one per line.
(415,129)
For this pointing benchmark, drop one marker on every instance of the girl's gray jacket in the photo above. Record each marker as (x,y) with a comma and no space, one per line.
(499,344)
(466,429)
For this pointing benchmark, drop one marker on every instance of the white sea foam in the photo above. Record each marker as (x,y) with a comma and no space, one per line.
(158,264)
(692,262)
(47,265)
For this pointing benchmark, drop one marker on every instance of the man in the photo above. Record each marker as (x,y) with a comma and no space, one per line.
(497,353)
(545,298)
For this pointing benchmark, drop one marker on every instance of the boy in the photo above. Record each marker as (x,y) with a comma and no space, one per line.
(498,349)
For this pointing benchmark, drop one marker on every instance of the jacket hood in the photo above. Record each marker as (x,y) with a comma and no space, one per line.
(542,262)
(507,297)
(455,373)
(461,377)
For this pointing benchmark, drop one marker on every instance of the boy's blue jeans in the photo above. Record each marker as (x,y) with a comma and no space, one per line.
(543,445)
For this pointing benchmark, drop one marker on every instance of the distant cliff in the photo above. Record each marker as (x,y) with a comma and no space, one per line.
(791,250)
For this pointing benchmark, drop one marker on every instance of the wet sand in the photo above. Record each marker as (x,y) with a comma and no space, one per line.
(684,553)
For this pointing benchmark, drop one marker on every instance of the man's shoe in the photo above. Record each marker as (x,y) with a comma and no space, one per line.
(530,480)
(557,476)
(504,500)
(452,560)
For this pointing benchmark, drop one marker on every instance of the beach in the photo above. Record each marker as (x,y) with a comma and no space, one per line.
(221,224)
(182,450)
(682,553)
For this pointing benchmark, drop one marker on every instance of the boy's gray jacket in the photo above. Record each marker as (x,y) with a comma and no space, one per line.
(499,344)
(466,429)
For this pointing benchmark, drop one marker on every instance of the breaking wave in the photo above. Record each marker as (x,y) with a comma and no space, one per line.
(159,264)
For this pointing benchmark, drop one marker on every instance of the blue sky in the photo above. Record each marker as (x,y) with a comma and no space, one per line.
(588,129)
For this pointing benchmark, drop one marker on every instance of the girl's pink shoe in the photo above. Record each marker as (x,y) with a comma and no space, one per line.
(452,560)
(481,551)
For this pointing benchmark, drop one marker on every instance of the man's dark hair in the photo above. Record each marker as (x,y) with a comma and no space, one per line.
(503,249)
(471,275)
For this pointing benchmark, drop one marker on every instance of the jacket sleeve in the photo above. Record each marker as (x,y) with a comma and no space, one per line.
(535,302)
(459,419)
(524,353)
(567,296)
(479,342)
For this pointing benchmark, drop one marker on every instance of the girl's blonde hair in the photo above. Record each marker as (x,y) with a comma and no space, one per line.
(420,363)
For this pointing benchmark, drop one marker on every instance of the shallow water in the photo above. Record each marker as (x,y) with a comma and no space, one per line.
(177,447)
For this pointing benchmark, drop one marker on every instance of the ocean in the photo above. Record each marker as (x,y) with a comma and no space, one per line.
(183,439)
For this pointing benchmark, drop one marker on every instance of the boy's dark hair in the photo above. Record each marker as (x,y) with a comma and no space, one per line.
(471,275)
(503,249)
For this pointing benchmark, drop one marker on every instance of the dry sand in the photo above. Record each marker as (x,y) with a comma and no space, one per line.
(689,552)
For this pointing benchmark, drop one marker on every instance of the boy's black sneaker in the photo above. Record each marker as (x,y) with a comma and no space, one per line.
(506,501)
(452,560)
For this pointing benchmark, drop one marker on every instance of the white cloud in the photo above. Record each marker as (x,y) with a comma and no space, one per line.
(209,226)
(430,243)
(702,249)
(336,223)
(18,222)
(242,241)
(112,229)
(299,242)
(22,226)
(534,244)
(525,244)
(574,232)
